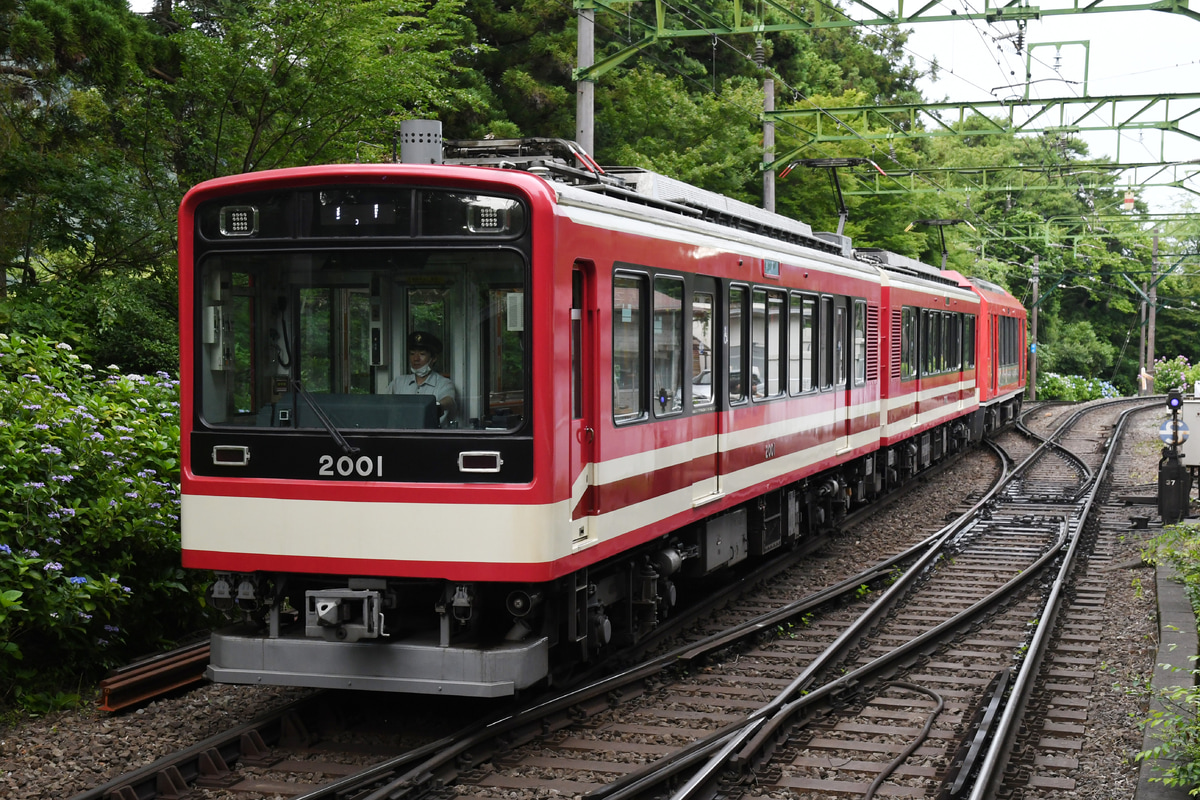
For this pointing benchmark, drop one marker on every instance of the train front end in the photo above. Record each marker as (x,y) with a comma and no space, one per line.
(365,529)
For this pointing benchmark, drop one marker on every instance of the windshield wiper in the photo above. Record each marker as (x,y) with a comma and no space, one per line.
(347,448)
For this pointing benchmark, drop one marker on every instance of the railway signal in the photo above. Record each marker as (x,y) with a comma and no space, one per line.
(1174,480)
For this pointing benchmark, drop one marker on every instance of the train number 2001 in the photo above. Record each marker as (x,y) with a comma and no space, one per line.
(363,466)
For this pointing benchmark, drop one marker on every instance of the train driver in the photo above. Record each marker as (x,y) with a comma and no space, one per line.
(423,352)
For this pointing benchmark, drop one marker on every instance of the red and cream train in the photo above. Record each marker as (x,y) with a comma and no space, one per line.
(653,383)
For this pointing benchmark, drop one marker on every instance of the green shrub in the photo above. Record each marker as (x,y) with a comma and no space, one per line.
(1174,373)
(131,321)
(1176,726)
(1073,388)
(89,537)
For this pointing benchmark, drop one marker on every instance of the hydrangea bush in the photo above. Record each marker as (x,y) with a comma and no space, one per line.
(89,537)
(1175,373)
(1073,388)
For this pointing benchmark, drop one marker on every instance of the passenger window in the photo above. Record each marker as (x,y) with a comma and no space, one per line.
(766,367)
(908,343)
(795,339)
(949,354)
(808,342)
(737,354)
(839,346)
(933,341)
(628,346)
(825,342)
(667,353)
(860,342)
(702,350)
(577,343)
(969,340)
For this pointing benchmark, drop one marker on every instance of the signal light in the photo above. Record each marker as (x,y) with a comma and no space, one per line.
(1174,399)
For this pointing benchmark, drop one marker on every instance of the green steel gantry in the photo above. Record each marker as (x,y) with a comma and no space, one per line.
(1021,177)
(680,19)
(889,123)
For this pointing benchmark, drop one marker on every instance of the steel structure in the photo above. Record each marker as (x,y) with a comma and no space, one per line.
(1021,177)
(682,19)
(889,123)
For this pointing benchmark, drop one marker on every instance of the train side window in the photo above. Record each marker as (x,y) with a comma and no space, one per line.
(957,335)
(908,342)
(923,350)
(840,349)
(969,341)
(666,367)
(933,341)
(629,347)
(767,339)
(794,332)
(1002,324)
(737,320)
(859,342)
(825,343)
(576,343)
(800,321)
(949,343)
(702,350)
(808,380)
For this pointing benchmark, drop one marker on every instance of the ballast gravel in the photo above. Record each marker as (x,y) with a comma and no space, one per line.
(65,753)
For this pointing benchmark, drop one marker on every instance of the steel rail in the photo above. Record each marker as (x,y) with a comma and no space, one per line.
(419,776)
(761,725)
(147,781)
(990,772)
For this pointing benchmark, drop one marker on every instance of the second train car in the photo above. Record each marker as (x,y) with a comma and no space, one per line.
(647,384)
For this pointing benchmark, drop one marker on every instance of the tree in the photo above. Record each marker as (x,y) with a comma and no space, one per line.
(65,184)
(276,83)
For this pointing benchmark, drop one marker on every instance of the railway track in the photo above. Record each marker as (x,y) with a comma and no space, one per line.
(792,690)
(939,668)
(154,677)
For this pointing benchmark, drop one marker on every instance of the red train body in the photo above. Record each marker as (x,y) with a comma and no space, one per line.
(652,384)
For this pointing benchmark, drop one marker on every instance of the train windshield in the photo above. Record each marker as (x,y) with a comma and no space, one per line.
(399,339)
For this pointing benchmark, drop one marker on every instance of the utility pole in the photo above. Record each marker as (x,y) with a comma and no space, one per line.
(1034,334)
(1152,308)
(1142,334)
(768,143)
(585,89)
(760,58)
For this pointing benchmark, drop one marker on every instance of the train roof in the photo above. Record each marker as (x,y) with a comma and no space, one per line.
(903,265)
(562,162)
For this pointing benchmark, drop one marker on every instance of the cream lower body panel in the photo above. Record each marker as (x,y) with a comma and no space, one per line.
(527,534)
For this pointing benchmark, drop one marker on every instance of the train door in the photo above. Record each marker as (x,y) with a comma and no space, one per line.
(840,351)
(705,422)
(583,400)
